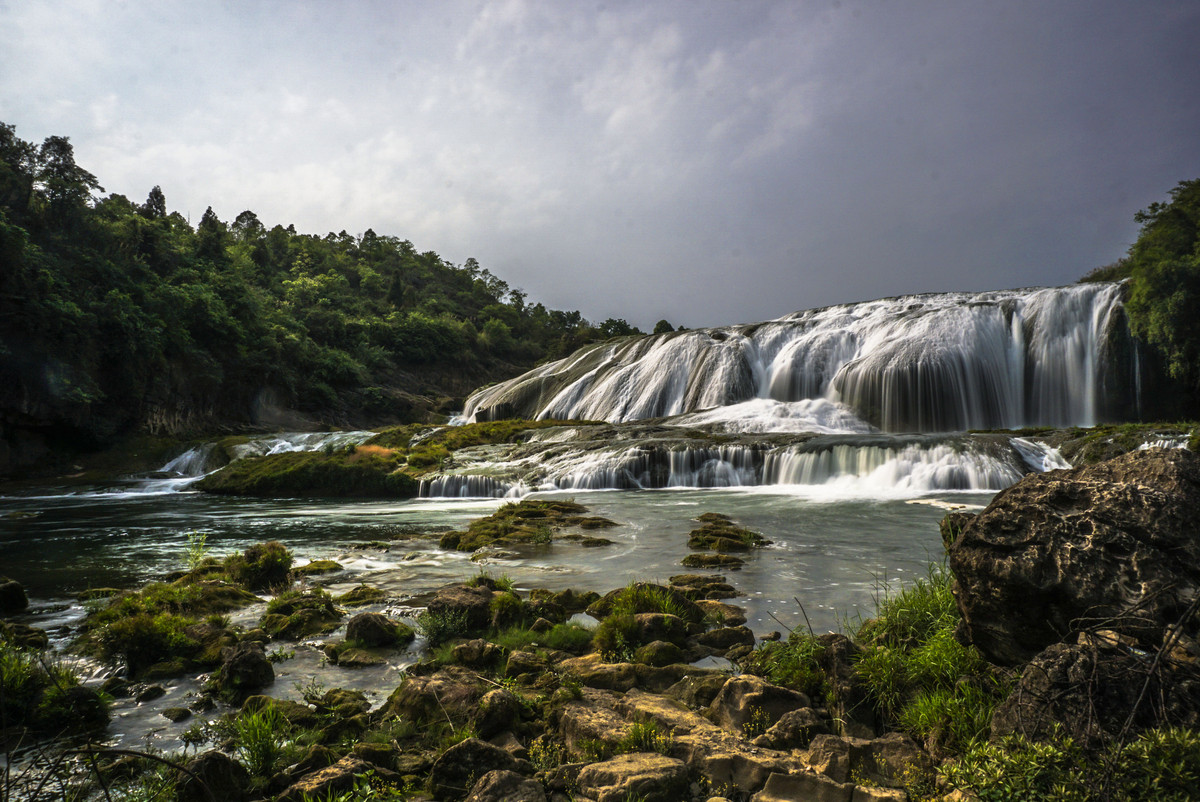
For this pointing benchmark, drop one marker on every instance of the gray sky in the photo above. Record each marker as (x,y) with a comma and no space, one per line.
(709,163)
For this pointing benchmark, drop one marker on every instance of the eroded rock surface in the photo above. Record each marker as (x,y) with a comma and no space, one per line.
(1114,545)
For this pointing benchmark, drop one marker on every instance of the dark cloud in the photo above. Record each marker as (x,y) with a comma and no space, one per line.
(704,162)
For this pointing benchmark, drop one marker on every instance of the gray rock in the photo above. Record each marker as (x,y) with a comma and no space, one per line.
(741,699)
(372,629)
(793,730)
(1114,545)
(643,775)
(804,786)
(326,782)
(461,764)
(244,670)
(506,786)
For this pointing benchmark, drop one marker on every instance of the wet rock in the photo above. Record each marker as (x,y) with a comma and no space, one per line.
(361,596)
(329,781)
(474,603)
(748,697)
(794,730)
(342,703)
(375,629)
(176,714)
(645,775)
(1114,545)
(506,786)
(213,776)
(318,567)
(244,669)
(704,560)
(726,638)
(12,597)
(467,760)
(302,615)
(658,653)
(149,693)
(727,615)
(451,691)
(703,586)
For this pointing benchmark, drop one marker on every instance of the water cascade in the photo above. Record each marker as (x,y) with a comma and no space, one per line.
(858,465)
(923,363)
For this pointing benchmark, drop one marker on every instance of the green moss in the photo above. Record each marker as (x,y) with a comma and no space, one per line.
(317,567)
(722,535)
(361,596)
(523,522)
(298,614)
(262,566)
(372,472)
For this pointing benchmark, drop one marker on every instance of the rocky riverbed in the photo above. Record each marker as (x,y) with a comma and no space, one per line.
(1064,627)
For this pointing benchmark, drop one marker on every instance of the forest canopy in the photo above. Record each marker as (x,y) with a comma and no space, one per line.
(118,315)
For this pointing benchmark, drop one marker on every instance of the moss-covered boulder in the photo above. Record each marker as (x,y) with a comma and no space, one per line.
(298,614)
(368,471)
(718,533)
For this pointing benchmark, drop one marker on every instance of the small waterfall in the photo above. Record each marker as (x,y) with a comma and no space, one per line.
(869,465)
(194,462)
(927,363)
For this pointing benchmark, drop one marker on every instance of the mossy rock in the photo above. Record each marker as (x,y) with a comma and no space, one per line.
(361,596)
(317,567)
(721,561)
(298,615)
(721,535)
(362,472)
(529,522)
(91,594)
(658,653)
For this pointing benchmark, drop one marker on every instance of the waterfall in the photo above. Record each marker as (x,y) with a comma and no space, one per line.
(869,465)
(923,363)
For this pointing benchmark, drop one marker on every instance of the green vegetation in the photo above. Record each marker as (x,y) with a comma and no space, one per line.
(1160,764)
(794,663)
(122,315)
(45,696)
(1163,268)
(718,533)
(531,522)
(360,471)
(262,566)
(920,678)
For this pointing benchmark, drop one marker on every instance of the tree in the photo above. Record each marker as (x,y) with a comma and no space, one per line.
(663,327)
(67,186)
(1164,286)
(617,327)
(212,236)
(155,207)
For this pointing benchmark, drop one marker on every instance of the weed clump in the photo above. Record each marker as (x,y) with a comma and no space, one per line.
(262,566)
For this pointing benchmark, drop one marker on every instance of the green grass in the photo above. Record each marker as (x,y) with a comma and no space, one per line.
(794,663)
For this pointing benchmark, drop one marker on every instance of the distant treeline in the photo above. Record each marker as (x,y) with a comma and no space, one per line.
(1163,268)
(117,315)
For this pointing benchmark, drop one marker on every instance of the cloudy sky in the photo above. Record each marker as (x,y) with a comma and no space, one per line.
(706,162)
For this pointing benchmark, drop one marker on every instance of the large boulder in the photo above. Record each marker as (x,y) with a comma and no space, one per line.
(472,602)
(643,775)
(1114,545)
(752,700)
(506,786)
(461,765)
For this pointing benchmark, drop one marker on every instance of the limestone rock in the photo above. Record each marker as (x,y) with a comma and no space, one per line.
(329,781)
(658,653)
(506,786)
(452,691)
(804,786)
(794,730)
(1113,545)
(726,638)
(211,776)
(462,763)
(697,690)
(642,775)
(742,697)
(498,710)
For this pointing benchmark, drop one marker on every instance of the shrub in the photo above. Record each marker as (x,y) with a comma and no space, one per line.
(142,640)
(439,627)
(616,638)
(259,737)
(794,663)
(263,565)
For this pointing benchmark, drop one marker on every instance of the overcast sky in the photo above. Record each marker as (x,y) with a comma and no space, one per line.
(710,163)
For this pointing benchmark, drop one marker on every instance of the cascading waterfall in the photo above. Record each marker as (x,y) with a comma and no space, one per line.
(861,465)
(925,363)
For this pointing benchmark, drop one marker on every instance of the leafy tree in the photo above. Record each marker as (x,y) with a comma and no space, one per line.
(67,186)
(662,327)
(617,327)
(155,206)
(1164,269)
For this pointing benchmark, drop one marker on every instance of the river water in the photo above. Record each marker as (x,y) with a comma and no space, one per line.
(830,553)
